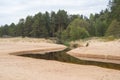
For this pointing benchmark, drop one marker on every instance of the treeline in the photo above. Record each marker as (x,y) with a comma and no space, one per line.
(41,25)
(63,26)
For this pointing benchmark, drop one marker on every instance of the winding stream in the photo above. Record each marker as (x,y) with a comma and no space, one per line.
(64,57)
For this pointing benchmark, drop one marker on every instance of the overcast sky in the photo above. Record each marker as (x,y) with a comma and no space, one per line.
(13,10)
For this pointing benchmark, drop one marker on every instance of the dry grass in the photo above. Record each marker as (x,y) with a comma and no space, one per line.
(75,44)
(83,42)
(26,39)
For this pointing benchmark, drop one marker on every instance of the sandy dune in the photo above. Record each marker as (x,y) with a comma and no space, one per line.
(26,47)
(23,68)
(99,51)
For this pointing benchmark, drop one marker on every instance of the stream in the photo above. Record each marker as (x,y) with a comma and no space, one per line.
(62,56)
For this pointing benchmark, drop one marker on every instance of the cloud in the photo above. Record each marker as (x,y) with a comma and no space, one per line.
(12,11)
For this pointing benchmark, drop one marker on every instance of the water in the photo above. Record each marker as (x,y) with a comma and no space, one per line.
(64,57)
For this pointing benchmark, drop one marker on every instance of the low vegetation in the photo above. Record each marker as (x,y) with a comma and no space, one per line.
(26,39)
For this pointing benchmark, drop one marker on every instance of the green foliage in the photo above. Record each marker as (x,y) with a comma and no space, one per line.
(66,43)
(114,19)
(12,30)
(65,35)
(114,29)
(115,10)
(76,30)
(1,31)
(67,27)
(52,24)
(20,28)
(100,27)
(98,23)
(39,28)
(28,26)
(61,22)
(78,33)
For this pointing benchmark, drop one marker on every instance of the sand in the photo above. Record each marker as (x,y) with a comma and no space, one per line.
(99,51)
(22,68)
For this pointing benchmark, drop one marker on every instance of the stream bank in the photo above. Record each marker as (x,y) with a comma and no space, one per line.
(62,56)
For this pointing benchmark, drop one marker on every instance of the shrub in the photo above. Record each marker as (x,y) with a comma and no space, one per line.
(114,29)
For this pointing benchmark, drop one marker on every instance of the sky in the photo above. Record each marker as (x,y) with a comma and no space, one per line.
(13,10)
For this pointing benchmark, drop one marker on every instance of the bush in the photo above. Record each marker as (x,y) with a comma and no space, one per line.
(114,29)
(76,30)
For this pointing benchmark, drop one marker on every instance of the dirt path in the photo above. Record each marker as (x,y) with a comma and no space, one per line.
(23,68)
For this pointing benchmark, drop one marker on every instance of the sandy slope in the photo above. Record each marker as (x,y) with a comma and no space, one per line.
(99,51)
(22,68)
(23,47)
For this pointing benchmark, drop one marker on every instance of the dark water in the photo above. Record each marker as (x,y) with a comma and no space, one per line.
(64,57)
